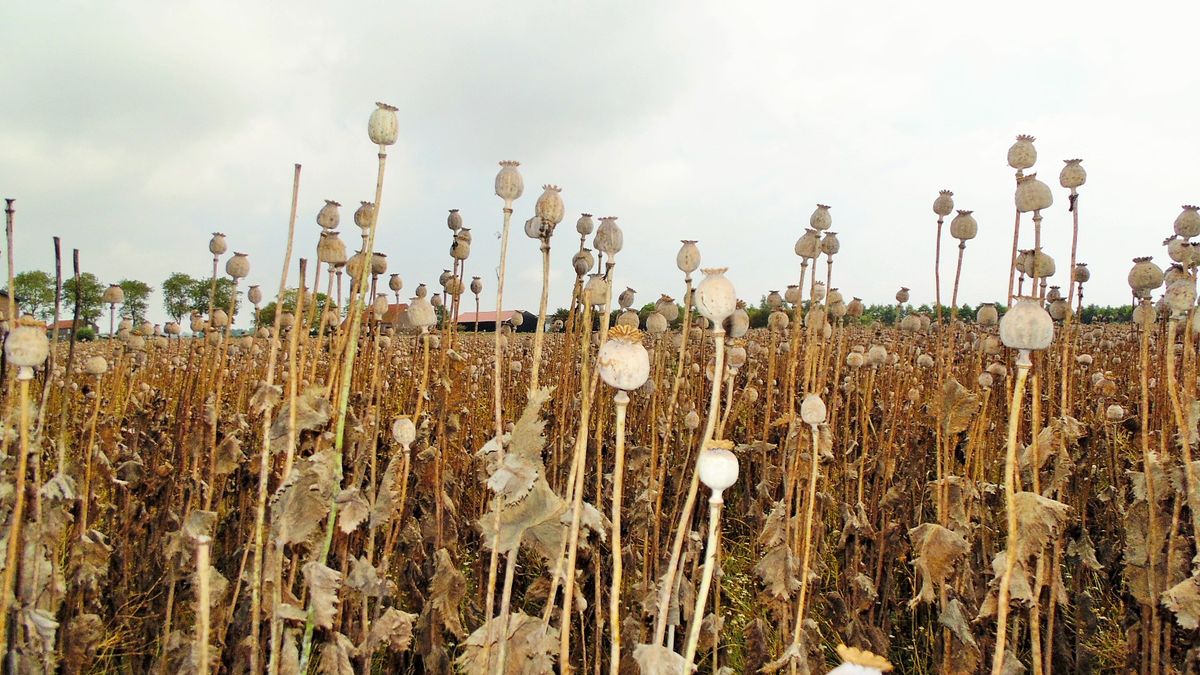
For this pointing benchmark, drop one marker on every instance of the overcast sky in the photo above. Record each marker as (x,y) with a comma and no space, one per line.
(134,130)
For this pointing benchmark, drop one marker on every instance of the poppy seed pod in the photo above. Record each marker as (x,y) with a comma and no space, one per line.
(1081,274)
(1055,293)
(1072,175)
(855,360)
(1032,194)
(328,217)
(463,235)
(219,318)
(172,328)
(1174,273)
(1178,248)
(445,277)
(715,298)
(774,300)
(656,323)
(987,314)
(395,283)
(836,309)
(584,225)
(96,365)
(944,203)
(718,468)
(596,291)
(356,265)
(404,431)
(1180,297)
(963,227)
(364,216)
(1143,314)
(609,239)
(383,127)
(688,258)
(877,355)
(625,299)
(1145,276)
(911,323)
(380,306)
(509,184)
(666,306)
(217,245)
(460,249)
(535,227)
(454,221)
(422,290)
(254,295)
(818,291)
(1187,223)
(476,285)
(985,380)
(421,313)
(820,218)
(997,370)
(622,360)
(830,244)
(628,318)
(582,261)
(925,360)
(856,308)
(902,295)
(549,206)
(1039,265)
(812,410)
(238,266)
(1022,154)
(792,294)
(113,295)
(1026,326)
(808,246)
(1114,413)
(27,346)
(436,301)
(738,323)
(1059,309)
(833,296)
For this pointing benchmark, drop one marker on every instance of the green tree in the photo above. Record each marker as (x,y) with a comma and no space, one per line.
(90,292)
(198,295)
(137,299)
(177,295)
(266,315)
(35,292)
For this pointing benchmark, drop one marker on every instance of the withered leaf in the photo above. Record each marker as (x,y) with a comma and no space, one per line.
(954,617)
(938,550)
(532,646)
(448,588)
(658,660)
(323,585)
(394,629)
(958,406)
(1184,600)
(1039,521)
(335,656)
(353,509)
(778,569)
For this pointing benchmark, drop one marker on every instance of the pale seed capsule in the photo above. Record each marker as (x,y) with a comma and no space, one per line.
(830,244)
(656,323)
(219,319)
(1114,413)
(464,235)
(944,203)
(688,258)
(1081,274)
(1026,326)
(1145,276)
(395,283)
(718,470)
(329,217)
(856,308)
(584,225)
(535,227)
(774,300)
(855,360)
(238,266)
(1187,223)
(738,323)
(609,239)
(331,250)
(987,314)
(454,221)
(692,419)
(27,346)
(751,394)
(254,295)
(735,356)
(596,290)
(997,370)
(964,227)
(436,301)
(792,294)
(1178,248)
(808,246)
(383,127)
(1059,310)
(833,296)
(113,295)
(985,380)
(1084,359)
(625,299)
(812,410)
(421,313)
(1022,155)
(820,218)
(910,323)
(715,297)
(549,206)
(509,184)
(622,360)
(667,307)
(1073,174)
(902,295)
(583,261)
(925,361)
(914,395)
(1032,194)
(778,320)
(460,249)
(818,291)
(217,245)
(991,345)
(628,318)
(404,431)
(1180,298)
(876,355)
(476,285)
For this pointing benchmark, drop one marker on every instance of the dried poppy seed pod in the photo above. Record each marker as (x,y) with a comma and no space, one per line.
(356,266)
(238,266)
(666,306)
(818,291)
(1114,413)
(96,365)
(1059,309)
(718,469)
(1084,359)
(688,258)
(460,249)
(656,323)
(217,245)
(1039,264)
(877,355)
(830,244)
(628,318)
(774,300)
(254,295)
(329,217)
(219,318)
(1032,194)
(987,314)
(855,360)
(463,235)
(1144,277)
(422,290)
(925,361)
(509,184)
(583,261)
(404,431)
(173,328)
(985,380)
(1081,274)
(1187,223)
(738,323)
(584,225)
(331,250)
(1026,326)
(113,295)
(549,206)
(421,313)
(944,203)
(609,239)
(792,294)
(1178,248)
(1072,175)
(1022,154)
(197,323)
(1055,293)
(454,221)
(812,410)
(856,308)
(596,291)
(910,323)
(1174,273)
(27,346)
(476,285)
(436,301)
(714,296)
(808,246)
(535,227)
(380,306)
(997,370)
(622,360)
(383,127)
(1180,297)
(963,227)
(1143,314)
(820,218)
(902,295)
(364,216)
(625,299)
(395,283)
(445,277)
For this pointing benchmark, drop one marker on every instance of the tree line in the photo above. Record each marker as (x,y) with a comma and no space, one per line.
(183,294)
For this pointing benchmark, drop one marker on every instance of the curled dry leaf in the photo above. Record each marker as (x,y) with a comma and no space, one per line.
(312,412)
(938,550)
(954,617)
(323,585)
(1039,521)
(335,656)
(1183,599)
(658,660)
(394,629)
(958,406)
(364,578)
(531,647)
(265,397)
(353,509)
(302,502)
(777,569)
(448,588)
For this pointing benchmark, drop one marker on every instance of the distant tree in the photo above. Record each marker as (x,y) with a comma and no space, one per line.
(177,295)
(266,315)
(35,292)
(198,295)
(137,299)
(90,292)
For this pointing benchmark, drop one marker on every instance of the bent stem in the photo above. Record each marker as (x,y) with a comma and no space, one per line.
(1010,464)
